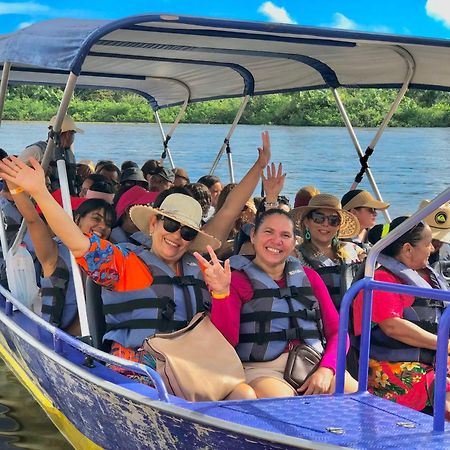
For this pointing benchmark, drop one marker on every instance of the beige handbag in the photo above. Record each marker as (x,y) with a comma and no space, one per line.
(196,363)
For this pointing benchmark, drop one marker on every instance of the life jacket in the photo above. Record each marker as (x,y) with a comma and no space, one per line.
(337,277)
(168,304)
(423,312)
(118,236)
(11,223)
(277,315)
(59,303)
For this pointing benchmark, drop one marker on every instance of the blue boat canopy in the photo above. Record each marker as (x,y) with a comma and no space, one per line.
(169,58)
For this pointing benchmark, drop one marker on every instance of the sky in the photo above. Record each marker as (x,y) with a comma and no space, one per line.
(430,18)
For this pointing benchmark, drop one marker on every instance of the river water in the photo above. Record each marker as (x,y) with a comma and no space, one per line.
(408,165)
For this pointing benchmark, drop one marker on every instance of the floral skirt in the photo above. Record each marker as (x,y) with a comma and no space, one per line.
(406,383)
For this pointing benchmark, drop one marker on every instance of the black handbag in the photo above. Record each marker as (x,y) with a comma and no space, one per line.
(302,362)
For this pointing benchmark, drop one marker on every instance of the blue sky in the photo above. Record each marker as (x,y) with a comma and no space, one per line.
(411,17)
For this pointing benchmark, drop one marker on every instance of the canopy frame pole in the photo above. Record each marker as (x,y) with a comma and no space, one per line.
(358,148)
(4,86)
(226,141)
(166,150)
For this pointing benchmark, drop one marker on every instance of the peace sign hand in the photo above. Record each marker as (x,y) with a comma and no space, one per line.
(217,277)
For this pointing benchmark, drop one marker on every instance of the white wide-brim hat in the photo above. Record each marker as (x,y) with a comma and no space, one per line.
(349,226)
(183,209)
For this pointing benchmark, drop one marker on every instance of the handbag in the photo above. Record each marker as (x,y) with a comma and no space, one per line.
(196,363)
(302,362)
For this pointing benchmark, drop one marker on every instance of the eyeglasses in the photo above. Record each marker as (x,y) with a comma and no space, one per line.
(320,218)
(172,226)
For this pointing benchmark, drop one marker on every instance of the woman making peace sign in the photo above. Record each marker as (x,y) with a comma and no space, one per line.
(248,301)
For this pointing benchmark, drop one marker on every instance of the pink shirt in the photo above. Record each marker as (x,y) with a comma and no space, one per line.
(226,312)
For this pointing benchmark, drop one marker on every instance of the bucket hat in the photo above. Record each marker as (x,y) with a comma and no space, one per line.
(183,209)
(439,221)
(134,196)
(165,173)
(349,223)
(67,125)
(359,198)
(132,174)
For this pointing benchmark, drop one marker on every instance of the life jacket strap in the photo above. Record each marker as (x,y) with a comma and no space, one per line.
(166,304)
(266,316)
(299,293)
(158,324)
(284,335)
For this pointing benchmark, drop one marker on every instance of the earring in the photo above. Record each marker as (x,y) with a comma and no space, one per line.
(307,234)
(335,241)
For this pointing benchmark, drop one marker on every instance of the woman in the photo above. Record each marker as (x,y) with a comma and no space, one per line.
(214,185)
(243,310)
(59,306)
(322,223)
(404,328)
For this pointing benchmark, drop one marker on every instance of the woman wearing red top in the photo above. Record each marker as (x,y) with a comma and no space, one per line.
(234,295)
(403,341)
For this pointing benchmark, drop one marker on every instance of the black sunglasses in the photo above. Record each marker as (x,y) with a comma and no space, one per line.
(172,226)
(320,218)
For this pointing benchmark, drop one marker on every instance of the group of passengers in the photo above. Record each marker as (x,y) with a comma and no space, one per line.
(163,249)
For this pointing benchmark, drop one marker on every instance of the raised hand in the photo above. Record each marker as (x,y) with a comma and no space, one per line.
(264,151)
(274,181)
(31,179)
(217,277)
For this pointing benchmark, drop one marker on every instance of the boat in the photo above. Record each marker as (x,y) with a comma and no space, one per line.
(176,60)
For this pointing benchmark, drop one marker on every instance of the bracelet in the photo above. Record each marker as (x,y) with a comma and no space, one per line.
(17,190)
(271,204)
(219,296)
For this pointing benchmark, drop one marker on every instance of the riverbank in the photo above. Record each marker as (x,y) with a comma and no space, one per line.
(366,108)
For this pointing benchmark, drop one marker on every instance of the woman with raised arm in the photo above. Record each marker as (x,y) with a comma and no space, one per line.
(404,328)
(270,303)
(59,306)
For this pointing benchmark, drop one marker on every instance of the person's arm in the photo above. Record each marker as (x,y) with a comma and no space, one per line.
(45,247)
(32,180)
(222,222)
(409,333)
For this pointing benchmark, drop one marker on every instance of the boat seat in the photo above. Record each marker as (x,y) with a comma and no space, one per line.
(96,318)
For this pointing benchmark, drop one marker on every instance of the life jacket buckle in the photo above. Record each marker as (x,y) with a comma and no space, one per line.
(186,280)
(285,292)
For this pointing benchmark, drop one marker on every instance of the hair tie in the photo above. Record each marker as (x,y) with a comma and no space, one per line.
(385,230)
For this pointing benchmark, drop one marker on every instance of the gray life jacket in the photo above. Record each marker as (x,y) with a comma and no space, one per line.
(423,312)
(59,303)
(11,224)
(277,315)
(338,277)
(167,305)
(118,236)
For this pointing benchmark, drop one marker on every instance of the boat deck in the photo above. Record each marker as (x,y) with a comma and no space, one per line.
(357,421)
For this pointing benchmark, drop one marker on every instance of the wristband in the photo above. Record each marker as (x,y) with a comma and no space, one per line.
(219,296)
(18,190)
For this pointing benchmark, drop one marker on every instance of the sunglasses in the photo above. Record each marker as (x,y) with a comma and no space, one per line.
(172,226)
(370,210)
(320,218)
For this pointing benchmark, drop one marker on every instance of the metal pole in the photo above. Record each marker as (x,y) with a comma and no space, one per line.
(4,86)
(163,135)
(228,137)
(3,239)
(355,141)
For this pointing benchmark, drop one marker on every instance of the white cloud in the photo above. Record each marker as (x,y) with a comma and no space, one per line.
(439,10)
(275,13)
(22,8)
(24,25)
(343,22)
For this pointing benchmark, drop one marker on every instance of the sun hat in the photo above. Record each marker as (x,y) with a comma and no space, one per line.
(134,196)
(74,201)
(349,223)
(304,195)
(165,173)
(132,174)
(439,221)
(67,125)
(358,198)
(183,209)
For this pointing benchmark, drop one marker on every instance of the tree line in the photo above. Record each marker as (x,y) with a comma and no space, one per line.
(365,107)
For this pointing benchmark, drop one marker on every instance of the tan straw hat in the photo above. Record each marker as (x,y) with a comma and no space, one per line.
(359,198)
(67,125)
(349,223)
(439,221)
(183,209)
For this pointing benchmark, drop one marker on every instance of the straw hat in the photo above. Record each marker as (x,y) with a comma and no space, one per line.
(439,221)
(349,223)
(183,209)
(358,198)
(67,125)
